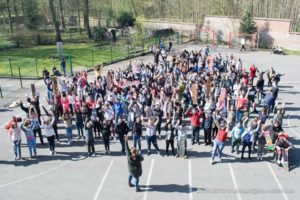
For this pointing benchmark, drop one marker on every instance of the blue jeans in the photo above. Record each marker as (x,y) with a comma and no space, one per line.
(136,181)
(218,147)
(17,147)
(49,94)
(137,140)
(195,135)
(152,139)
(239,115)
(63,70)
(31,146)
(69,133)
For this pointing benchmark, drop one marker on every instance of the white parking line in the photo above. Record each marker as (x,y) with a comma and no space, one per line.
(190,181)
(278,182)
(103,180)
(234,182)
(34,176)
(149,178)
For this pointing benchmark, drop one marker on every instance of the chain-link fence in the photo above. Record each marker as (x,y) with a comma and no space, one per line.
(78,57)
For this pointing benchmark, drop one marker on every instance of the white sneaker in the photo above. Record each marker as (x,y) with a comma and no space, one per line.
(211,161)
(50,153)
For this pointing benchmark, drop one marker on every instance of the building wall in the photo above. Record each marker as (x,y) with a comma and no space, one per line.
(273,32)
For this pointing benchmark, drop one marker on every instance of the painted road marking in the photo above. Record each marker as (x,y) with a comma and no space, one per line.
(234,182)
(103,180)
(278,182)
(190,181)
(149,179)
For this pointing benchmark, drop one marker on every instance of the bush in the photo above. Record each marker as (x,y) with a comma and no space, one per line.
(125,19)
(99,34)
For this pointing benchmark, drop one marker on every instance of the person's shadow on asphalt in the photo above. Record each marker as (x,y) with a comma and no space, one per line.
(167,188)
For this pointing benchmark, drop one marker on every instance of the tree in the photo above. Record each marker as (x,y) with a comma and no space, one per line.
(86,18)
(55,21)
(247,25)
(9,16)
(63,24)
(125,19)
(31,15)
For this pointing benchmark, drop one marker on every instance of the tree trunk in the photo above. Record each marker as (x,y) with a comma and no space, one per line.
(79,20)
(63,24)
(134,9)
(9,16)
(86,18)
(55,21)
(16,15)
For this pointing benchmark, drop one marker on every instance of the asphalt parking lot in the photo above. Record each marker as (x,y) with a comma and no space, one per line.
(70,174)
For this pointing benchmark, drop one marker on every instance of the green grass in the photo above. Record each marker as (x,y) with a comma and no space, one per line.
(81,53)
(291,52)
(45,56)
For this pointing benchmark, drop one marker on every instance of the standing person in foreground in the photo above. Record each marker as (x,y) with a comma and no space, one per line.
(134,165)
(219,141)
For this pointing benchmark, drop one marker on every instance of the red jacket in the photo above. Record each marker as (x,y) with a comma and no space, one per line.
(221,136)
(194,117)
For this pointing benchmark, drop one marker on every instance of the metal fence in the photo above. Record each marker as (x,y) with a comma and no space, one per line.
(125,48)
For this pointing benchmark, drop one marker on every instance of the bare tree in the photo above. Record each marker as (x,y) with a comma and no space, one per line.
(9,16)
(55,21)
(63,24)
(86,18)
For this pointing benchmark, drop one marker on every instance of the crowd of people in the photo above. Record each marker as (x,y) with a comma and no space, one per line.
(191,92)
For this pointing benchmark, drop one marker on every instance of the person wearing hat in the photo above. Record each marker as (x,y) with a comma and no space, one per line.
(134,160)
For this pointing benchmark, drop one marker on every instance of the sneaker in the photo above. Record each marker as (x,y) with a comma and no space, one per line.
(211,161)
(93,154)
(177,155)
(15,158)
(50,153)
(106,152)
(148,153)
(158,153)
(185,157)
(138,190)
(130,185)
(30,157)
(53,152)
(140,152)
(220,159)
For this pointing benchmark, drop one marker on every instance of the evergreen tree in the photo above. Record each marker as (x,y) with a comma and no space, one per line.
(247,25)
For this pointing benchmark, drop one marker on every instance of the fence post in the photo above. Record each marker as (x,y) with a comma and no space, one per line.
(36,68)
(127,50)
(177,34)
(111,58)
(20,77)
(1,92)
(93,58)
(70,34)
(70,62)
(11,72)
